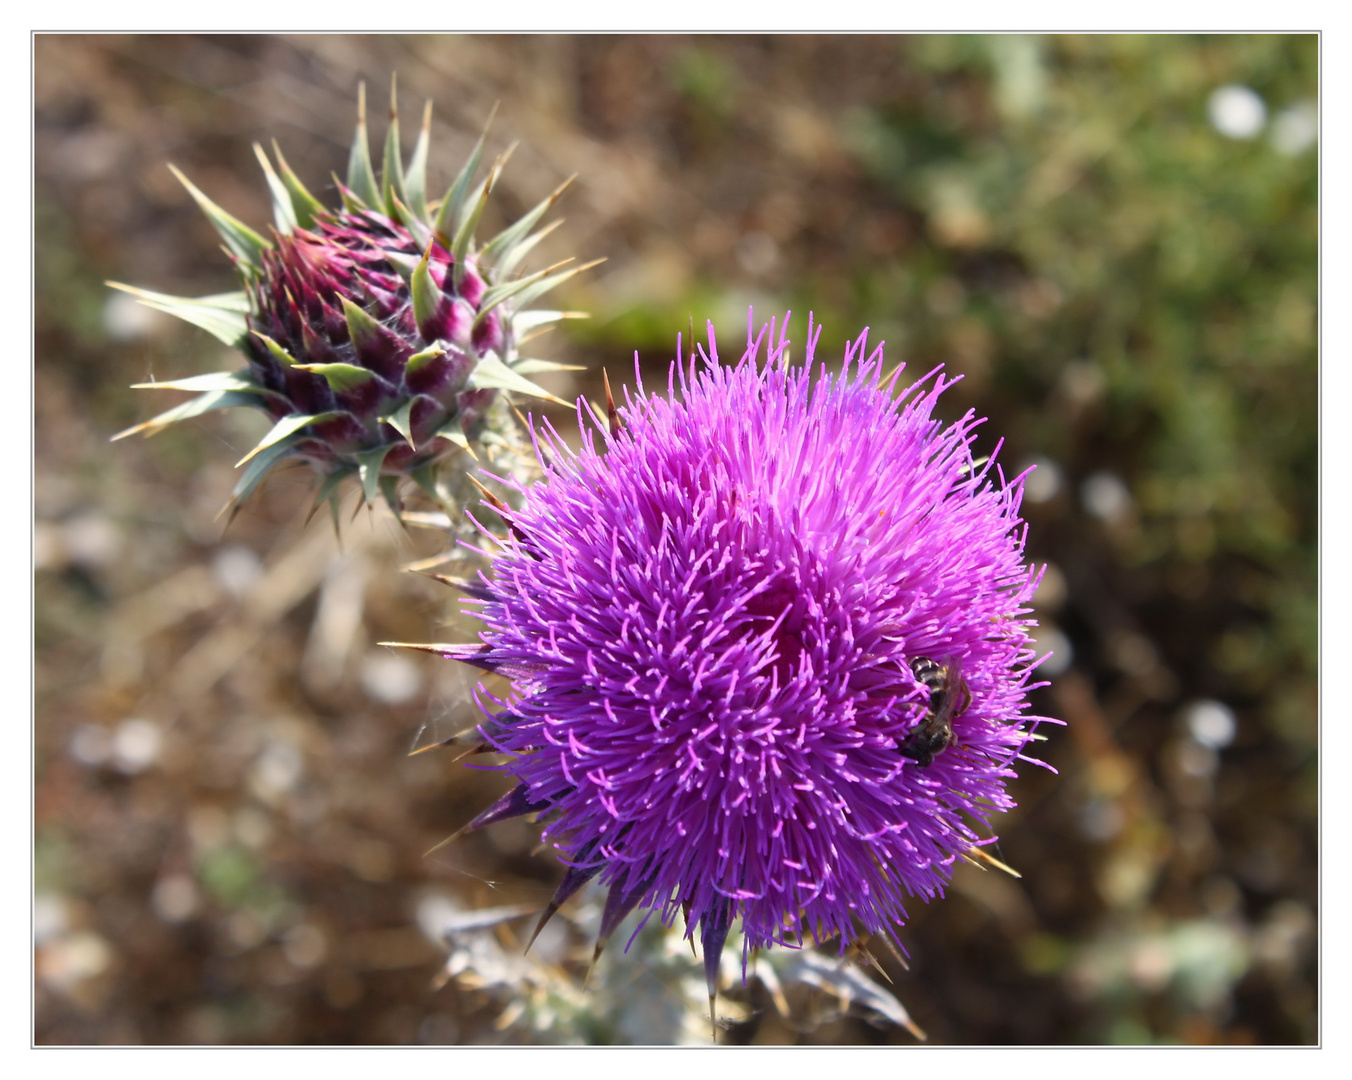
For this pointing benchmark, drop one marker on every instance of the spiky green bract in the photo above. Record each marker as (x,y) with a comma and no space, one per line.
(379,335)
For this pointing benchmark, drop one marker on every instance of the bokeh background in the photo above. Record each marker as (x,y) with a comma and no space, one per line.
(1113,239)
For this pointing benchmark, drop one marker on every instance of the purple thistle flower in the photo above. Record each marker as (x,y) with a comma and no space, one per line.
(769,647)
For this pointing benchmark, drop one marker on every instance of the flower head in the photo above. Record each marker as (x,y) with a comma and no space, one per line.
(378,334)
(769,646)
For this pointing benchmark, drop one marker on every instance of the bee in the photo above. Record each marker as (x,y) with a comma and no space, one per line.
(949,698)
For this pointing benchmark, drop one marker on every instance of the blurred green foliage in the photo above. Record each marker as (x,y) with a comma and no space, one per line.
(1180,263)
(1112,245)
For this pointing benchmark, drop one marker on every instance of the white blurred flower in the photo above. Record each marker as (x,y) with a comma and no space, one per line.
(277,770)
(235,568)
(1296,128)
(1105,496)
(1210,723)
(174,898)
(1044,481)
(91,539)
(90,745)
(51,917)
(1237,112)
(1048,638)
(390,678)
(136,745)
(127,319)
